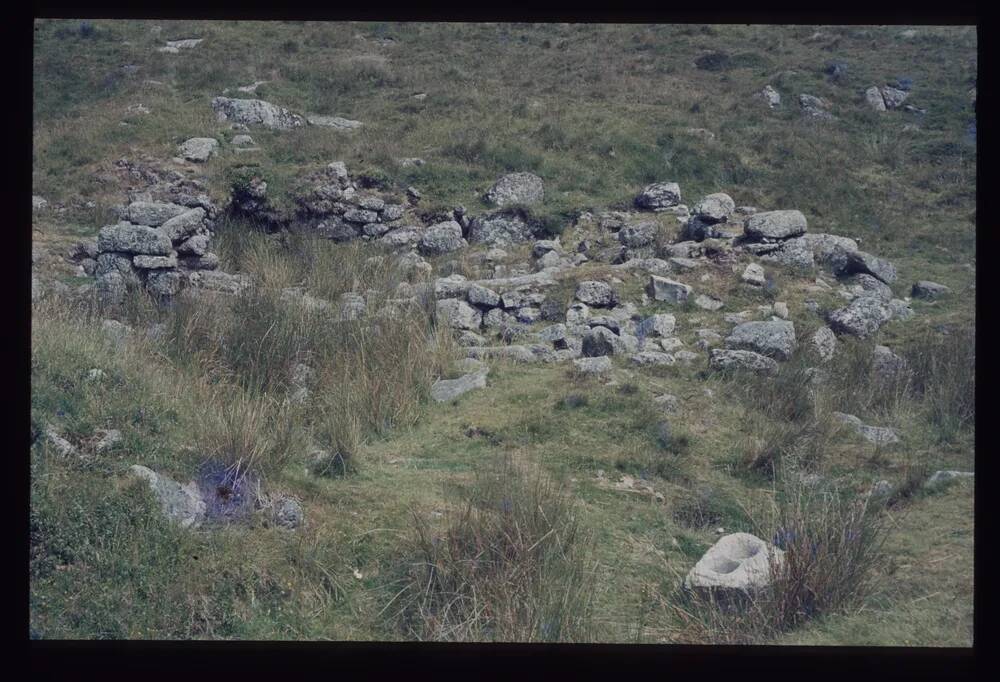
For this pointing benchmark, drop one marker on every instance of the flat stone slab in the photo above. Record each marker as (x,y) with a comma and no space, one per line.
(445,390)
(182,504)
(335,122)
(880,435)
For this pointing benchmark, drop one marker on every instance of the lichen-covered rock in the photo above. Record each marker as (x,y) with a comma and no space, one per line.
(722,359)
(880,435)
(775,225)
(664,289)
(597,294)
(442,238)
(873,96)
(893,97)
(861,318)
(593,365)
(659,195)
(135,239)
(199,149)
(181,504)
(848,262)
(499,229)
(287,512)
(637,235)
(754,275)
(824,343)
(251,112)
(458,314)
(660,325)
(155,262)
(774,338)
(163,284)
(650,358)
(516,188)
(771,96)
(184,224)
(153,213)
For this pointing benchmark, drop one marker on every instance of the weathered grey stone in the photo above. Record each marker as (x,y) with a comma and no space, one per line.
(452,286)
(181,504)
(792,253)
(199,149)
(287,512)
(209,261)
(516,188)
(708,302)
(900,309)
(664,289)
(194,246)
(638,235)
(521,297)
(775,225)
(528,314)
(862,317)
(824,246)
(335,122)
(128,238)
(754,274)
(781,310)
(725,359)
(738,562)
(879,435)
(814,106)
(771,96)
(499,229)
(715,208)
(939,478)
(593,365)
(255,112)
(887,366)
(153,213)
(458,314)
(660,325)
(824,343)
(214,280)
(847,262)
(893,97)
(597,294)
(352,305)
(442,238)
(360,216)
(774,338)
(110,289)
(184,224)
(652,358)
(392,212)
(481,296)
(599,341)
(106,439)
(659,195)
(60,445)
(155,262)
(929,290)
(874,98)
(38,203)
(446,390)
(163,284)
(863,284)
(242,141)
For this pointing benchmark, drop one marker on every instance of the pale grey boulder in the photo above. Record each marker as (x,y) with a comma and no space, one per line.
(194,246)
(218,281)
(209,261)
(516,188)
(900,309)
(255,112)
(664,289)
(650,358)
(199,149)
(741,360)
(59,445)
(774,338)
(754,275)
(848,262)
(771,96)
(715,208)
(599,341)
(458,314)
(737,562)
(863,284)
(110,289)
(874,99)
(814,106)
(888,366)
(183,224)
(441,238)
(153,213)
(660,325)
(135,239)
(596,294)
(593,365)
(775,225)
(709,303)
(163,284)
(181,504)
(823,342)
(659,196)
(939,478)
(893,97)
(335,122)
(499,229)
(792,253)
(864,316)
(287,512)
(879,435)
(638,235)
(446,390)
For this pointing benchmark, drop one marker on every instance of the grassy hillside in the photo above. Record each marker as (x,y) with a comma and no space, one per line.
(598,111)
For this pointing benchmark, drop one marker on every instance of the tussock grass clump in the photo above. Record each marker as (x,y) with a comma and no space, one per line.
(509,567)
(944,378)
(832,543)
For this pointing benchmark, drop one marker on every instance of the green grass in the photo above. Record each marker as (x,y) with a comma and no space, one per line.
(598,111)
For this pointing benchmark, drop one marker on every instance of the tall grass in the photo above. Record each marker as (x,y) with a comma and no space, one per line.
(832,543)
(944,379)
(510,566)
